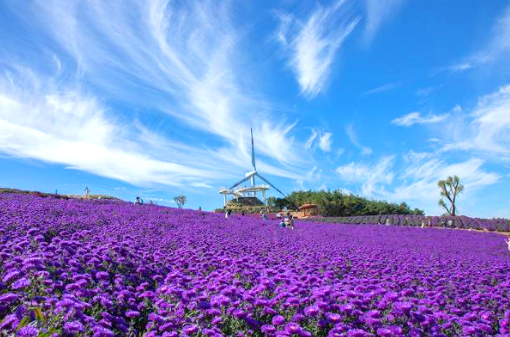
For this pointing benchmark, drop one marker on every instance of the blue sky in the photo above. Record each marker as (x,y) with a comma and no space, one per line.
(156,98)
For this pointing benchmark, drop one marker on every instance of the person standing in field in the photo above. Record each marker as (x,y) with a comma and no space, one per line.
(291,221)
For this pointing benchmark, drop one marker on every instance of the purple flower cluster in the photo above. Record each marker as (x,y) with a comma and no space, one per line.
(109,268)
(460,222)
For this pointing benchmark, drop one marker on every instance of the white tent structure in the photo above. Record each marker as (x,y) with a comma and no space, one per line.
(253,189)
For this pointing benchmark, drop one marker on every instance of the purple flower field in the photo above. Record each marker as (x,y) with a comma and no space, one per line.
(106,268)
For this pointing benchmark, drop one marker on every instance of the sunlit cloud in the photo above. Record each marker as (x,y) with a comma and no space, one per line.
(311,43)
(415,118)
(487,128)
(378,12)
(180,60)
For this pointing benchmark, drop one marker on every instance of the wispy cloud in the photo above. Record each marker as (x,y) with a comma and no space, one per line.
(424,93)
(455,68)
(383,88)
(499,43)
(178,60)
(353,137)
(320,139)
(73,129)
(313,42)
(416,118)
(420,174)
(488,128)
(497,49)
(415,181)
(379,11)
(311,140)
(371,177)
(325,141)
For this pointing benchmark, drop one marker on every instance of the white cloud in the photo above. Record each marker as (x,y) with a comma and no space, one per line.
(353,172)
(382,88)
(311,140)
(325,141)
(423,93)
(312,43)
(489,128)
(416,118)
(497,49)
(415,181)
(422,171)
(371,177)
(499,42)
(319,139)
(379,11)
(457,68)
(353,137)
(74,130)
(188,52)
(180,61)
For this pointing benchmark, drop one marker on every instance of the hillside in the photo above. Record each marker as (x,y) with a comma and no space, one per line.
(111,268)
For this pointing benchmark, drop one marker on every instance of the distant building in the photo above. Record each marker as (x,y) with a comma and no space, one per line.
(308,209)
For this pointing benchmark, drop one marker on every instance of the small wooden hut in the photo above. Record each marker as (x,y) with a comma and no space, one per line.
(308,209)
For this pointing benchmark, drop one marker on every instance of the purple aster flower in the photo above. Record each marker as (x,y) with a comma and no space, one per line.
(190,329)
(334,318)
(384,332)
(239,314)
(10,276)
(132,314)
(21,283)
(102,275)
(252,323)
(292,328)
(346,308)
(278,320)
(312,311)
(74,327)
(357,333)
(9,297)
(204,305)
(100,331)
(267,329)
(9,321)
(28,331)
(269,311)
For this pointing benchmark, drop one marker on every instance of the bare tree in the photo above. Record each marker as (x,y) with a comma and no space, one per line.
(450,189)
(180,200)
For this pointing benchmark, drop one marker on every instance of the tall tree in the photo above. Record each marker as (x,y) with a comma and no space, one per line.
(450,189)
(180,200)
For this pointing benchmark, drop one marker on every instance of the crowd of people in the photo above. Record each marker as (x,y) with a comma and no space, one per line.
(286,221)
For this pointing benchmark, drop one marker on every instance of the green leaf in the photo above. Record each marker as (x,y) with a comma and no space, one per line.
(39,314)
(23,323)
(44,334)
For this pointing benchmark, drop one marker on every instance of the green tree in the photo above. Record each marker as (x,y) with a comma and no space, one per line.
(338,203)
(180,200)
(450,189)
